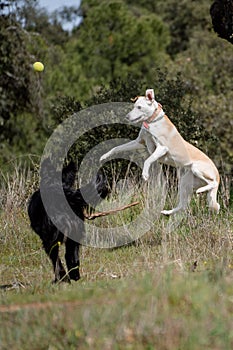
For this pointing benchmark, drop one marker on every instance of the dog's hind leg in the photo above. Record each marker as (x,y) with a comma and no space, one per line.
(212,199)
(210,179)
(212,183)
(72,259)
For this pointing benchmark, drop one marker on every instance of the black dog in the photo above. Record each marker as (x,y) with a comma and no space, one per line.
(50,235)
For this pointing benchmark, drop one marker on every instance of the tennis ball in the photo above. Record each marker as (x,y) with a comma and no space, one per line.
(38,66)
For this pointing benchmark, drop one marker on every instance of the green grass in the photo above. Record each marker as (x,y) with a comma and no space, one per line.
(163,309)
(170,289)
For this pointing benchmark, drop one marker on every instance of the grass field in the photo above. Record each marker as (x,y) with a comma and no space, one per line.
(172,288)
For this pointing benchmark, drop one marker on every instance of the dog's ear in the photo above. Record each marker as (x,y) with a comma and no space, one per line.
(150,94)
(134,99)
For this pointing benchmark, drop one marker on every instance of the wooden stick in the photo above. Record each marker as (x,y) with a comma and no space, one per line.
(108,212)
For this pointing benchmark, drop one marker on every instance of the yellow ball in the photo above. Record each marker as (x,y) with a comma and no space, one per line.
(38,66)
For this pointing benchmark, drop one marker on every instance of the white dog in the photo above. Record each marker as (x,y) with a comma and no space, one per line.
(165,144)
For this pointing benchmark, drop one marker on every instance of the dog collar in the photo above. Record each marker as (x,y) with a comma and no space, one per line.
(153,118)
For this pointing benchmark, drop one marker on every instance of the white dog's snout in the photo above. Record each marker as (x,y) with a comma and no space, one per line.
(135,115)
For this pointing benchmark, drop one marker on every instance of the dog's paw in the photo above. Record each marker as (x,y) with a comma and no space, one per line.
(145,176)
(104,157)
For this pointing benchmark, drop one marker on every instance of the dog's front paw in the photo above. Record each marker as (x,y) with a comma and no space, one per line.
(104,157)
(145,175)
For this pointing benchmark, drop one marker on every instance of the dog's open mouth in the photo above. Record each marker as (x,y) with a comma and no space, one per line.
(135,120)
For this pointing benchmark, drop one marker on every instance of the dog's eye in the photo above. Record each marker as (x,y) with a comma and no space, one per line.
(139,107)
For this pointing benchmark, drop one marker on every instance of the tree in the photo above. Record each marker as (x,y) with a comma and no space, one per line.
(14,69)
(182,18)
(20,86)
(222,18)
(113,42)
(206,70)
(37,20)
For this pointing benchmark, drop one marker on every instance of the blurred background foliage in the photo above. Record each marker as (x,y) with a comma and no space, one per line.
(118,49)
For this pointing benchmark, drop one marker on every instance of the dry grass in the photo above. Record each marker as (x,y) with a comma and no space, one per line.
(169,289)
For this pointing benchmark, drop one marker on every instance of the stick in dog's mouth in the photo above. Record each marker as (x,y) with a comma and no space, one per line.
(108,212)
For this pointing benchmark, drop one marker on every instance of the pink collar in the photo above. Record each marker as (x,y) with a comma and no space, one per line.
(153,117)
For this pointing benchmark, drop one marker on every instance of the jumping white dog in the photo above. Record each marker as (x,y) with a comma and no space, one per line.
(166,145)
